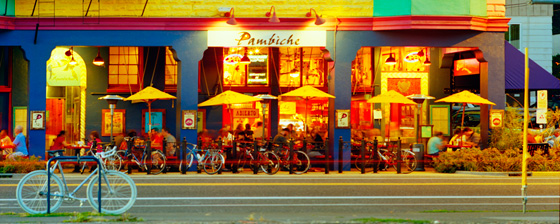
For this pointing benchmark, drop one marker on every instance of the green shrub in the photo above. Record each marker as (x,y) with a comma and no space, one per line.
(22,165)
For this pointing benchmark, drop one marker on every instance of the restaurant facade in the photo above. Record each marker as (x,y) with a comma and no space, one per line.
(361,50)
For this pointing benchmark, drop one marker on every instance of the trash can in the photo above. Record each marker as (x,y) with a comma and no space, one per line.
(418,150)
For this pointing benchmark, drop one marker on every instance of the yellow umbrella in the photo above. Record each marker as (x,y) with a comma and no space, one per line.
(227,98)
(390,96)
(465,97)
(149,95)
(306,93)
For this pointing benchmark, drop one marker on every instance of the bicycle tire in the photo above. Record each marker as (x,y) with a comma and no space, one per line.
(408,162)
(113,162)
(31,192)
(157,162)
(190,159)
(117,202)
(301,162)
(271,163)
(213,162)
(368,165)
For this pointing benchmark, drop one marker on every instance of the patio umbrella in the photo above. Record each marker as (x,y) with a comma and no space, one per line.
(306,93)
(390,96)
(465,97)
(227,98)
(149,95)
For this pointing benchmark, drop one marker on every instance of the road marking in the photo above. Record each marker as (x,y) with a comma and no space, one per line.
(338,197)
(336,205)
(323,184)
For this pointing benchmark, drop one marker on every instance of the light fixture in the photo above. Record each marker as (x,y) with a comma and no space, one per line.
(72,61)
(421,54)
(274,18)
(391,60)
(318,20)
(98,61)
(245,59)
(231,20)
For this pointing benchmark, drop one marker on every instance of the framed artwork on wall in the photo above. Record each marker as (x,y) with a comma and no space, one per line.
(118,121)
(158,119)
(440,118)
(38,120)
(427,131)
(342,119)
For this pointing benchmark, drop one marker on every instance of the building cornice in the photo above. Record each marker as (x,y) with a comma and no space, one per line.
(182,24)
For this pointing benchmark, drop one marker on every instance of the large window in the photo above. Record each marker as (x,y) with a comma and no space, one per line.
(124,67)
(512,35)
(292,60)
(237,73)
(170,70)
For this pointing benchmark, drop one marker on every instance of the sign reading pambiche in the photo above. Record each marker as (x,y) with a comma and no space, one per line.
(267,38)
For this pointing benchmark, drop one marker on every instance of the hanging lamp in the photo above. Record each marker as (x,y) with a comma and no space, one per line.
(72,61)
(391,60)
(98,61)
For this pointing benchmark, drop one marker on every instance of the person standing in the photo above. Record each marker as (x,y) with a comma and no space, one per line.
(20,148)
(258,133)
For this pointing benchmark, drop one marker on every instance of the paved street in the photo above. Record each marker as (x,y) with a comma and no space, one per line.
(335,197)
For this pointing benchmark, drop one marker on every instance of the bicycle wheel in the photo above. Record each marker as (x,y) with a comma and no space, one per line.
(124,159)
(368,164)
(118,192)
(270,163)
(113,162)
(213,162)
(408,162)
(188,163)
(32,190)
(158,162)
(301,162)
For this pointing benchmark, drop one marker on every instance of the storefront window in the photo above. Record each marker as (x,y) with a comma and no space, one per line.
(292,60)
(241,74)
(408,59)
(170,70)
(124,66)
(362,77)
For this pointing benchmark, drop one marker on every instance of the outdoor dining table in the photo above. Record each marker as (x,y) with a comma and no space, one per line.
(456,147)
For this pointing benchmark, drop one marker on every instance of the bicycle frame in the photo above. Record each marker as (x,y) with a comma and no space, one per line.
(50,171)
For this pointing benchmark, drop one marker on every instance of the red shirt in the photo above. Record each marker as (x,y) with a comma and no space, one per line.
(58,143)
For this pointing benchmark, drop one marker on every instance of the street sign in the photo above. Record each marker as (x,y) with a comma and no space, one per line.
(542,99)
(541,116)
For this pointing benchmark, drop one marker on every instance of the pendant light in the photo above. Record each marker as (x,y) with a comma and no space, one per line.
(427,61)
(391,60)
(72,61)
(245,59)
(98,61)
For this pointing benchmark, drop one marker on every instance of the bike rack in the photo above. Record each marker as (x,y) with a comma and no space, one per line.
(72,158)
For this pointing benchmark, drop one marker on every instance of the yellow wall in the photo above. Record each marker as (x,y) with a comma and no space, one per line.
(202,8)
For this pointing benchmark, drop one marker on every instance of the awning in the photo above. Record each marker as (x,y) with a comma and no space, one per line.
(539,78)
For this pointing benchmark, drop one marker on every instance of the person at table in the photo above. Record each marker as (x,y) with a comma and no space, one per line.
(5,141)
(170,141)
(238,130)
(94,136)
(20,148)
(226,136)
(258,133)
(60,141)
(436,144)
(470,138)
(156,138)
(455,139)
(282,137)
(249,134)
(291,132)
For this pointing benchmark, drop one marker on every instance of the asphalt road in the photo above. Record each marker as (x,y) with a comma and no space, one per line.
(316,197)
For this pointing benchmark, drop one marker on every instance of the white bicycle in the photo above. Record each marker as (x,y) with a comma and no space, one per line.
(118,191)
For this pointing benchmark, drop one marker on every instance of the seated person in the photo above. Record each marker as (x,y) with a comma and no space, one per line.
(470,138)
(60,141)
(226,136)
(281,137)
(436,144)
(170,141)
(20,148)
(455,139)
(248,133)
(6,141)
(156,138)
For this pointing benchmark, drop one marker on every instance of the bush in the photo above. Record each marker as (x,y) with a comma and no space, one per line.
(492,159)
(22,165)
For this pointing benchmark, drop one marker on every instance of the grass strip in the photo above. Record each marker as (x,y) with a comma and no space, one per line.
(377,220)
(478,211)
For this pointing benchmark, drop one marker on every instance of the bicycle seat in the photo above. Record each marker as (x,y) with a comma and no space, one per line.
(55,152)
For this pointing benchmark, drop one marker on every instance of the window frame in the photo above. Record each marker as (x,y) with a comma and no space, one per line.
(116,88)
(508,34)
(172,88)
